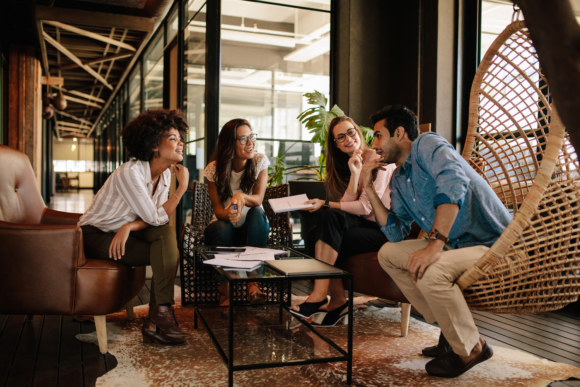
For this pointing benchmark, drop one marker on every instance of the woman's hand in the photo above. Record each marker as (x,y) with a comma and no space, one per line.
(316,205)
(235,206)
(181,173)
(355,162)
(117,247)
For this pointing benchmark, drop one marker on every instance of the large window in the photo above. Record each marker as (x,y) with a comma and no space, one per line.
(135,93)
(153,74)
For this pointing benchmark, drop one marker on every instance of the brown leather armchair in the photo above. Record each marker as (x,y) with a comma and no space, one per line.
(43,268)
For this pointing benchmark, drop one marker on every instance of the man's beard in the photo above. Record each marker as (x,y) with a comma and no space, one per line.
(391,154)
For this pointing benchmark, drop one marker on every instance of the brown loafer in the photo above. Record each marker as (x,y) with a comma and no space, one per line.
(156,335)
(437,350)
(164,317)
(450,365)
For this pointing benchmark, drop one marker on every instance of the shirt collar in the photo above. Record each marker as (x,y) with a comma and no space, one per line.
(406,167)
(148,180)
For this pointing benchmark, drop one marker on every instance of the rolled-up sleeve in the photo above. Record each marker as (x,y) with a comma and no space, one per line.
(133,190)
(442,161)
(399,221)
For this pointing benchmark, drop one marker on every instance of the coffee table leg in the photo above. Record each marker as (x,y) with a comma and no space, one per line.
(281,299)
(350,328)
(194,319)
(231,335)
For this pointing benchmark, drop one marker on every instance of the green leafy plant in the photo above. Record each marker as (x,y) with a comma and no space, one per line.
(276,172)
(316,119)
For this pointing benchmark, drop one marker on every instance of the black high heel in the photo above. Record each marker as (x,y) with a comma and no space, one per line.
(308,309)
(333,317)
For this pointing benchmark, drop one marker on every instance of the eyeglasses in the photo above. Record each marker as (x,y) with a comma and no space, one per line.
(244,139)
(341,137)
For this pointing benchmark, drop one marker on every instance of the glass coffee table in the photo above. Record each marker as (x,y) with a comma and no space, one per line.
(267,336)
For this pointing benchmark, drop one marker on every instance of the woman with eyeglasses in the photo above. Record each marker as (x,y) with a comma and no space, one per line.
(348,226)
(237,178)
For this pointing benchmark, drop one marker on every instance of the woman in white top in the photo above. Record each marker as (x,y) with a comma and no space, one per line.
(237,179)
(127,220)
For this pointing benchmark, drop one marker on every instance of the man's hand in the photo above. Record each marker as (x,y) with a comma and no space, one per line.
(367,171)
(420,260)
(117,247)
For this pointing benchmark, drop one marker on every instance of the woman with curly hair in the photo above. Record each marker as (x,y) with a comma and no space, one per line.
(127,220)
(237,179)
(348,226)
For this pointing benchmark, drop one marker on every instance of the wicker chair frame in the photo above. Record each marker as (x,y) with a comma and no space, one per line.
(198,281)
(517,142)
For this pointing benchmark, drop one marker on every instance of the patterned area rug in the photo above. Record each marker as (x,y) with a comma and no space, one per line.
(381,356)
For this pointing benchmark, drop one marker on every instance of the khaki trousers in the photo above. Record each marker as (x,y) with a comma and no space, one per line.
(436,295)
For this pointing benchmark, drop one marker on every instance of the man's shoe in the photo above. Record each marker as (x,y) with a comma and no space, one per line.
(164,317)
(450,365)
(157,336)
(437,350)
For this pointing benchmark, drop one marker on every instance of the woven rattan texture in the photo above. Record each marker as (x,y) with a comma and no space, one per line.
(198,281)
(514,129)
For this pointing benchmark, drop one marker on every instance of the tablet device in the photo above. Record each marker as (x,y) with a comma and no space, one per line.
(303,267)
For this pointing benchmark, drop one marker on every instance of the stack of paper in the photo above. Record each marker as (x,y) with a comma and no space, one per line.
(290,203)
(249,259)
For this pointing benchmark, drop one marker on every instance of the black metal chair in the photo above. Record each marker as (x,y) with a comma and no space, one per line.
(198,281)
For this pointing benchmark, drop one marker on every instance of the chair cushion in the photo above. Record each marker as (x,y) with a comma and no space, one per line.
(371,279)
(104,286)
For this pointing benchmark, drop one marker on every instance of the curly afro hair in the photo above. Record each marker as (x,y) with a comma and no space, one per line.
(144,133)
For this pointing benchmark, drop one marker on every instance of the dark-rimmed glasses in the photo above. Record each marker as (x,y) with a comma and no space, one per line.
(341,137)
(244,139)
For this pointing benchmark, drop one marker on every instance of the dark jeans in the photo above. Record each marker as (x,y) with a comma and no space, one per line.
(155,246)
(254,231)
(347,234)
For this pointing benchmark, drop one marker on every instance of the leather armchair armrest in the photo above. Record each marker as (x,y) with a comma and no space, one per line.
(59,218)
(39,268)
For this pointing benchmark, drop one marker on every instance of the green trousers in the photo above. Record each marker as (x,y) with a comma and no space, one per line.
(155,246)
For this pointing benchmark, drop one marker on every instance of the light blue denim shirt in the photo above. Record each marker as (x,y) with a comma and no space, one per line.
(434,174)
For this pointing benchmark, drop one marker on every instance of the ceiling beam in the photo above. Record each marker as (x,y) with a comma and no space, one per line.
(87,96)
(73,117)
(94,61)
(97,19)
(82,101)
(92,35)
(52,81)
(122,79)
(42,47)
(73,57)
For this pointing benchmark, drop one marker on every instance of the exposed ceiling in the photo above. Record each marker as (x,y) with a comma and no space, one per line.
(91,44)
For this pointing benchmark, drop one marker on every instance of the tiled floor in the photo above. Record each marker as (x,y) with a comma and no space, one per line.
(77,202)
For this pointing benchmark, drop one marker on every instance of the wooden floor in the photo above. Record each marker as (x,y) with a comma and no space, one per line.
(43,352)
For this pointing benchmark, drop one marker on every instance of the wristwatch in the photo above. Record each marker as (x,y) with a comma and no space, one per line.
(326,204)
(434,235)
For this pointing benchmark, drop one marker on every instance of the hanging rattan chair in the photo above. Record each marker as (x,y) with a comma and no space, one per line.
(516,141)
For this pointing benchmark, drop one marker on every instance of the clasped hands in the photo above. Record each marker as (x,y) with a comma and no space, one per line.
(235,207)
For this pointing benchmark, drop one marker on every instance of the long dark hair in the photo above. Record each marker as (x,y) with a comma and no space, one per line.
(224,158)
(337,170)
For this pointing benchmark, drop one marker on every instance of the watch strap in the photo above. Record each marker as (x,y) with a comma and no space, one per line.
(327,203)
(434,234)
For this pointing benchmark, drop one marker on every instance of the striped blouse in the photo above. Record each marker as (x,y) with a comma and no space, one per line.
(127,196)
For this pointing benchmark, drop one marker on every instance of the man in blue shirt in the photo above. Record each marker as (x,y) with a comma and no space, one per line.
(435,187)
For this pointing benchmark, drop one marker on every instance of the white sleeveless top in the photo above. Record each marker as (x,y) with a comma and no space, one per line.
(262,163)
